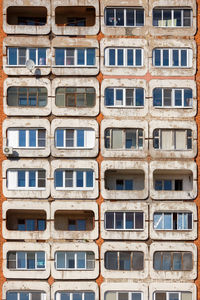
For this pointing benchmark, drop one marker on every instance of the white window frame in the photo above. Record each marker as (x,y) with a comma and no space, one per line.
(58,294)
(74,187)
(174,138)
(125,57)
(168,294)
(163,22)
(27,132)
(171,229)
(76,57)
(26,253)
(124,221)
(42,297)
(173,98)
(170,51)
(124,98)
(75,260)
(123,291)
(125,19)
(27,187)
(27,56)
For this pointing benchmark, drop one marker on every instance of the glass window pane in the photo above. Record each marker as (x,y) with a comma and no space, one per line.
(32,179)
(188,97)
(157,261)
(80,138)
(157,17)
(139,17)
(139,222)
(30,260)
(81,260)
(119,97)
(89,296)
(138,57)
(58,178)
(128,185)
(70,56)
(183,58)
(32,55)
(30,225)
(175,61)
(166,261)
(79,178)
(80,56)
(177,17)
(81,225)
(69,178)
(174,296)
(60,56)
(69,142)
(138,260)
(40,260)
(160,296)
(157,97)
(77,296)
(111,57)
(21,264)
(129,218)
(22,56)
(111,260)
(167,97)
(178,98)
(166,58)
(157,220)
(168,221)
(60,260)
(109,97)
(12,56)
(11,296)
(24,296)
(130,17)
(32,138)
(167,185)
(21,179)
(124,260)
(70,260)
(130,57)
(157,59)
(109,16)
(120,57)
(187,261)
(139,94)
(109,220)
(89,178)
(36,296)
(119,17)
(177,264)
(42,56)
(22,138)
(122,296)
(90,57)
(119,220)
(136,296)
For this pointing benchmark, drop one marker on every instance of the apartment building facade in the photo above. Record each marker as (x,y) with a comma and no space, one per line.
(99,118)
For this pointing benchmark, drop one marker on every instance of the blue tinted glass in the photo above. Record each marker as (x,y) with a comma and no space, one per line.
(12,56)
(119,94)
(89,296)
(119,220)
(178,98)
(177,261)
(157,16)
(157,57)
(89,178)
(157,261)
(81,56)
(79,178)
(81,260)
(41,225)
(157,221)
(109,97)
(109,16)
(21,260)
(22,101)
(158,185)
(77,296)
(32,175)
(80,138)
(129,220)
(32,100)
(138,57)
(157,97)
(175,58)
(30,225)
(167,221)
(136,296)
(11,296)
(183,58)
(64,296)
(59,178)
(60,260)
(81,224)
(32,138)
(111,57)
(130,57)
(188,97)
(166,261)
(32,55)
(24,296)
(30,260)
(90,57)
(60,56)
(128,185)
(120,57)
(41,56)
(22,138)
(139,97)
(40,259)
(21,178)
(167,185)
(139,17)
(59,138)
(21,225)
(180,221)
(165,57)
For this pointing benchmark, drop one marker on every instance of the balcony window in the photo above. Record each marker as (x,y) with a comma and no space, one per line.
(19,56)
(75,57)
(172,139)
(76,295)
(124,97)
(68,260)
(123,295)
(124,260)
(25,295)
(26,179)
(26,138)
(78,16)
(27,15)
(172,57)
(26,260)
(27,96)
(124,17)
(172,221)
(169,185)
(79,138)
(172,295)
(172,98)
(172,261)
(116,138)
(119,220)
(75,97)
(169,17)
(74,179)
(124,57)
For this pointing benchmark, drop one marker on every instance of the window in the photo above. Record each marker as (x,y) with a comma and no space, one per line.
(124,97)
(172,57)
(124,260)
(26,260)
(75,138)
(124,57)
(169,185)
(124,184)
(120,220)
(169,17)
(68,260)
(25,295)
(75,97)
(77,295)
(76,225)
(172,221)
(19,56)
(172,139)
(116,138)
(172,261)
(172,97)
(172,295)
(26,179)
(26,138)
(74,179)
(31,224)
(75,57)
(123,295)
(27,96)
(124,17)
(27,15)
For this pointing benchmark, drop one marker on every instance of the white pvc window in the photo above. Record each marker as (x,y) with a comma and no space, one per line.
(75,57)
(124,57)
(124,17)
(26,138)
(75,138)
(68,260)
(26,179)
(172,139)
(74,179)
(169,17)
(172,97)
(173,221)
(172,57)
(19,56)
(76,295)
(26,295)
(124,220)
(123,295)
(22,260)
(124,97)
(173,295)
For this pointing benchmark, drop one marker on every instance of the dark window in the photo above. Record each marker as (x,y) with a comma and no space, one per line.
(124,260)
(173,261)
(27,96)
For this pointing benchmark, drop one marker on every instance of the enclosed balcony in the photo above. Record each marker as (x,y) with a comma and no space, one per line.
(27,15)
